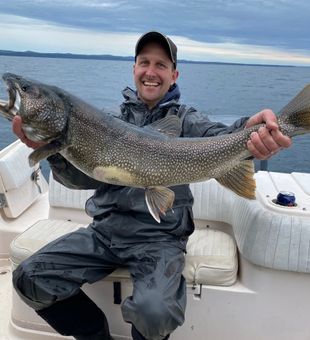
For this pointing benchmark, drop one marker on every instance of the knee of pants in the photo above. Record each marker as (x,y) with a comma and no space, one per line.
(154,315)
(21,278)
(26,285)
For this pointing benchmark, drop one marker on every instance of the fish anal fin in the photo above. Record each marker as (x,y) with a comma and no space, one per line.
(240,179)
(158,200)
(170,126)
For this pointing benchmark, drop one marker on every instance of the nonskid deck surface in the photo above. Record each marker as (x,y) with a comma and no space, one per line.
(5,297)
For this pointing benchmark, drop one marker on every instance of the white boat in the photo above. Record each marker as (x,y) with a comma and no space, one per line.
(247,265)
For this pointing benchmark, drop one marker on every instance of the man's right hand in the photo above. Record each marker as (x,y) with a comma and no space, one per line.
(17,129)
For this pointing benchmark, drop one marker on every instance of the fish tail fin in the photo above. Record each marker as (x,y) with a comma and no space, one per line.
(294,118)
(240,179)
(158,200)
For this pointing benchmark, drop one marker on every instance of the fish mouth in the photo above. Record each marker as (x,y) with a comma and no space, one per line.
(10,108)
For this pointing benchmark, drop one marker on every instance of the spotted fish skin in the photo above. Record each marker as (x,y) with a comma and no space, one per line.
(113,151)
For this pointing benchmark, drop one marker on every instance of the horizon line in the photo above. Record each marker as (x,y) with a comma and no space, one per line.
(69,55)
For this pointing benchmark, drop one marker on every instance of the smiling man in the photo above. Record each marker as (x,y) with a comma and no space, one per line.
(155,68)
(123,233)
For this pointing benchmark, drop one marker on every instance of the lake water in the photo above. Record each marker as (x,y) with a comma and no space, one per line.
(223,92)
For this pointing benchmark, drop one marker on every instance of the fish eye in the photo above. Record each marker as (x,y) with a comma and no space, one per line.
(24,87)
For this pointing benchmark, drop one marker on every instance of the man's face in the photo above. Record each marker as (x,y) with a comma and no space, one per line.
(153,74)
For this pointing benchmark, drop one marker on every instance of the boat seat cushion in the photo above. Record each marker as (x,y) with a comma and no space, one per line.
(211,254)
(63,197)
(14,166)
(16,179)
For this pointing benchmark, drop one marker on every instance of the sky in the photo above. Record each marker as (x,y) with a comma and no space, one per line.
(241,31)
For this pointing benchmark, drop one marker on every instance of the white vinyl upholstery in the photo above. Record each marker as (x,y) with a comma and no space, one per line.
(60,196)
(37,236)
(16,184)
(211,258)
(212,202)
(211,254)
(14,167)
(267,234)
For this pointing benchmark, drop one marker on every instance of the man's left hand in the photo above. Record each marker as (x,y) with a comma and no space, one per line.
(268,140)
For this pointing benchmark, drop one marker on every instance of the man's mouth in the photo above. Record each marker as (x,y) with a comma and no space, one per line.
(150,83)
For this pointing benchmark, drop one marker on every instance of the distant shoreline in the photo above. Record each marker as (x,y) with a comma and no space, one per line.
(113,57)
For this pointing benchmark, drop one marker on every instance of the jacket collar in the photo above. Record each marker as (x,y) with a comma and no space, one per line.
(172,96)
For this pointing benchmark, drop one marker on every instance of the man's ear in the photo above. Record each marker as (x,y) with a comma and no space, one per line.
(175,76)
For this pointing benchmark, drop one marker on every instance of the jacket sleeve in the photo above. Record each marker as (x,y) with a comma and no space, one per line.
(196,124)
(68,175)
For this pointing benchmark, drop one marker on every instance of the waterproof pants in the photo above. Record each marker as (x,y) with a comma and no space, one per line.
(49,281)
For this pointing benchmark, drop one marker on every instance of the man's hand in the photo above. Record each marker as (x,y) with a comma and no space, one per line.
(17,129)
(268,140)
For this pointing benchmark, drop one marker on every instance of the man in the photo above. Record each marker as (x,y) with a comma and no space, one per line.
(123,233)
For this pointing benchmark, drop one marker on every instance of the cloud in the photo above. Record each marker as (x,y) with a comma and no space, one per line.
(43,36)
(262,31)
(232,52)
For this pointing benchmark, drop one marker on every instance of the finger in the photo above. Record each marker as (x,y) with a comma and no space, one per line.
(262,144)
(31,144)
(266,116)
(255,152)
(270,119)
(272,126)
(267,139)
(17,127)
(257,139)
(254,120)
(282,140)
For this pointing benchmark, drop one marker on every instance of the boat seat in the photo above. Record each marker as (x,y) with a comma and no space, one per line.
(211,254)
(18,179)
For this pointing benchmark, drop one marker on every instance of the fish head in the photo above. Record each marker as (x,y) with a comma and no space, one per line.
(42,107)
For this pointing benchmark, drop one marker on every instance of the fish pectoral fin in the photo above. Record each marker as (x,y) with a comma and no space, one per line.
(240,179)
(158,200)
(45,151)
(170,126)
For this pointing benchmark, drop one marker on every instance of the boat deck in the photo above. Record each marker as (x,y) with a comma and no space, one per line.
(5,297)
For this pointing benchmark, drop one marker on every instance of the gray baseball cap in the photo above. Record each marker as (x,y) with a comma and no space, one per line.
(160,38)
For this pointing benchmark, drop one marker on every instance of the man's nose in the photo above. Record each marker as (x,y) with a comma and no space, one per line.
(151,71)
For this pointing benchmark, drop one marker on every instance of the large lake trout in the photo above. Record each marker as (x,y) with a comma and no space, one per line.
(154,157)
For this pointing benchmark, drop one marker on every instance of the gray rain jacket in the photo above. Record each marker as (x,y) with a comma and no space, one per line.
(120,213)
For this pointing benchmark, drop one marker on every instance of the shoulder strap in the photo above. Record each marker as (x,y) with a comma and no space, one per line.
(179,111)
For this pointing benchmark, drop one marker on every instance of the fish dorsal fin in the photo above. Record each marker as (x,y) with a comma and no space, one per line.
(170,126)
(158,200)
(240,179)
